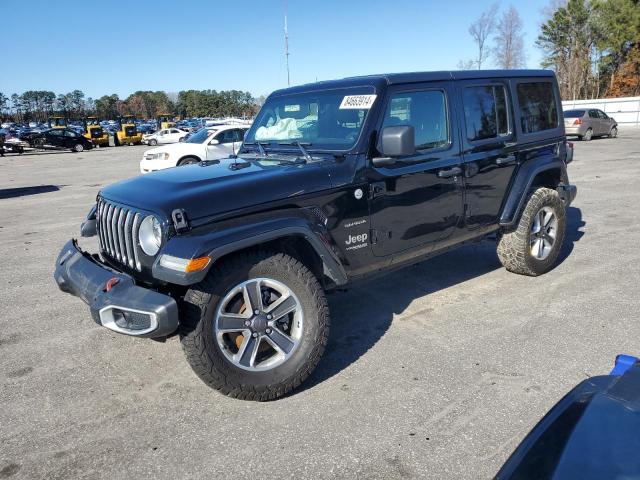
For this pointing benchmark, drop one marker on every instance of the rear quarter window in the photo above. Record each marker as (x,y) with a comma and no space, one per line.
(538,107)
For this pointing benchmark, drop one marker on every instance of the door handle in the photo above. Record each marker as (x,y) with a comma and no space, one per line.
(452,172)
(505,160)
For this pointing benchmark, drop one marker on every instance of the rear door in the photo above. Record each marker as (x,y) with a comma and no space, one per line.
(594,122)
(55,137)
(416,203)
(489,148)
(607,123)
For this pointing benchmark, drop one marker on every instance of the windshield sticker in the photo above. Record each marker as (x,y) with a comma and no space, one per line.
(292,108)
(359,102)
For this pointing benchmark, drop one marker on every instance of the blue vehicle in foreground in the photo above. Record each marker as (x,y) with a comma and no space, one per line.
(592,433)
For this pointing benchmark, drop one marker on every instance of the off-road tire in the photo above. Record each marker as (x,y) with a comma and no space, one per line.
(514,249)
(197,330)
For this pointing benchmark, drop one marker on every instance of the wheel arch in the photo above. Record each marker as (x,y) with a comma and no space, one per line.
(551,174)
(188,156)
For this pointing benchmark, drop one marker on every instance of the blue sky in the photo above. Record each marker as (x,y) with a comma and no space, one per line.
(102,48)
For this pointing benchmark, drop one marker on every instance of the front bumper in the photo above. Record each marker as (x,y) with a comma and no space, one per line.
(126,308)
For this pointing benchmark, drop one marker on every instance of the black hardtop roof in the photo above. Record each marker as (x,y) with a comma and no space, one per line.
(415,77)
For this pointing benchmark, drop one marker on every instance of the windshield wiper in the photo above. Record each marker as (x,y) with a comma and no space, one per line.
(300,145)
(261,149)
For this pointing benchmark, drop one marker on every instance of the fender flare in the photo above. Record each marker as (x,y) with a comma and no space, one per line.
(220,242)
(521,185)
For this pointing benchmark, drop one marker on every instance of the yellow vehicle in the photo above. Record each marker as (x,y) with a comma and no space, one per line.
(165,121)
(57,122)
(94,132)
(128,133)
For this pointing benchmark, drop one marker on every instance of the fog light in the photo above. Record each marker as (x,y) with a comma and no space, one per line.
(131,320)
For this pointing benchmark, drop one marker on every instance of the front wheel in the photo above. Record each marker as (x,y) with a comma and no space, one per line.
(153,142)
(78,148)
(533,247)
(188,161)
(613,133)
(256,326)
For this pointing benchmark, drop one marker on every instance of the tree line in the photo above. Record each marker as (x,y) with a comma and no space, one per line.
(592,45)
(38,105)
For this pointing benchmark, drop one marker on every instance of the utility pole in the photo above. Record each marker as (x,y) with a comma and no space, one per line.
(286,44)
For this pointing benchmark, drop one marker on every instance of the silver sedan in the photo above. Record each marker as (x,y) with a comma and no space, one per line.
(588,123)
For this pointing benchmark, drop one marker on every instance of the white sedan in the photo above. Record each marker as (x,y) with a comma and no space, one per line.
(205,144)
(166,135)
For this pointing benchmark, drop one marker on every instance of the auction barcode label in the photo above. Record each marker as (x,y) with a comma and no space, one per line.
(358,101)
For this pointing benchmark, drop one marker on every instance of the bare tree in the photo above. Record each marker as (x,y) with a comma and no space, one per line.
(466,65)
(509,41)
(481,29)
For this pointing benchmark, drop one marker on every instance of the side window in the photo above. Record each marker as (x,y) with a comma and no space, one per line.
(238,135)
(485,112)
(538,109)
(57,132)
(173,130)
(70,133)
(593,114)
(426,111)
(602,114)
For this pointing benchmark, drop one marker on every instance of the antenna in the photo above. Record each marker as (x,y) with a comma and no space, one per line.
(286,43)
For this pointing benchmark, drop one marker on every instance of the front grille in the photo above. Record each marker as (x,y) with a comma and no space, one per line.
(118,233)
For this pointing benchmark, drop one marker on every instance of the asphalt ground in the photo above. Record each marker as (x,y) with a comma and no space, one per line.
(435,371)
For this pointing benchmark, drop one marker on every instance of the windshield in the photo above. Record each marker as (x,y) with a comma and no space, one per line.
(329,119)
(200,136)
(574,114)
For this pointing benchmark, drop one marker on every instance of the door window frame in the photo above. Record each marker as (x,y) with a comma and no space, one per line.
(510,135)
(419,157)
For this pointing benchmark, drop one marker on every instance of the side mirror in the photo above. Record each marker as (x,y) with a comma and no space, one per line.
(214,142)
(396,141)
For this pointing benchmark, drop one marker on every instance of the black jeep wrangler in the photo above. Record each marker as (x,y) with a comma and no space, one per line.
(335,181)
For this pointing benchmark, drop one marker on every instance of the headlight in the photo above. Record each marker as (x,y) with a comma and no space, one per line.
(157,156)
(150,235)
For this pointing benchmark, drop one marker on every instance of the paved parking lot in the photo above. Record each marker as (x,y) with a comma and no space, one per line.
(436,371)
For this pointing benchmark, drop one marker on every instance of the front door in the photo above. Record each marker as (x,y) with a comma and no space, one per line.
(489,149)
(417,202)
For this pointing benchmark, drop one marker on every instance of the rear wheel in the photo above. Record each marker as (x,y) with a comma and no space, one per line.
(588,135)
(533,247)
(256,326)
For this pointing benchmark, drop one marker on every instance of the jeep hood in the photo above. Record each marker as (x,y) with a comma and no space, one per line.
(211,188)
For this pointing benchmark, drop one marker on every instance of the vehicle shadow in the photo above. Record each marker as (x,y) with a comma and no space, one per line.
(25,191)
(362,315)
(573,233)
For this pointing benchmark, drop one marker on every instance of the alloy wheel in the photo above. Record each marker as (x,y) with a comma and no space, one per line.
(542,237)
(258,325)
